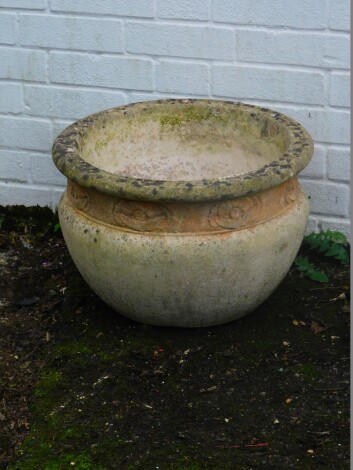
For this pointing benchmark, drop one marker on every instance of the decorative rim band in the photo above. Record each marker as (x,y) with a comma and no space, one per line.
(155,217)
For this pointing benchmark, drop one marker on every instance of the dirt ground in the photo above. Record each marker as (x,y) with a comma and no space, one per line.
(82,387)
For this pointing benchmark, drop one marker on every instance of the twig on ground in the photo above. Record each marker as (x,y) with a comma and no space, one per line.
(320,433)
(261,444)
(328,287)
(337,389)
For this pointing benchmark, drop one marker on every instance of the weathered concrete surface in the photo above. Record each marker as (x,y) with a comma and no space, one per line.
(183,212)
(184,280)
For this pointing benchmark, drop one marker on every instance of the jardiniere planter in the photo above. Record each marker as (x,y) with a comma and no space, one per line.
(183,212)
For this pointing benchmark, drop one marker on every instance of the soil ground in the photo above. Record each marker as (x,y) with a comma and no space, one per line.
(83,387)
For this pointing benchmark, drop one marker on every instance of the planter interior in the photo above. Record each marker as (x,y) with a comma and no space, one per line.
(176,142)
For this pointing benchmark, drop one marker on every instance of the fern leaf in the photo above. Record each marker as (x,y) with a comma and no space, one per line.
(309,269)
(336,237)
(319,276)
(329,243)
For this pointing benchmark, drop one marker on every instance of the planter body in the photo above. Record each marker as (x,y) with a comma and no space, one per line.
(193,252)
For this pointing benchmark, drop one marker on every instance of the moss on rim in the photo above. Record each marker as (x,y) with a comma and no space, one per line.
(294,158)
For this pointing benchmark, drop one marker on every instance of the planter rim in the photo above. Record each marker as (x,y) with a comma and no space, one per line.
(294,159)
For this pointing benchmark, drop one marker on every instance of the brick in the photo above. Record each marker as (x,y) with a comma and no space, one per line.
(337,52)
(25,133)
(11,99)
(142,8)
(29,4)
(256,83)
(339,15)
(325,125)
(317,165)
(44,171)
(340,89)
(182,77)
(281,47)
(16,193)
(202,42)
(22,64)
(338,164)
(65,32)
(184,9)
(111,72)
(14,165)
(8,28)
(338,225)
(73,103)
(304,14)
(327,198)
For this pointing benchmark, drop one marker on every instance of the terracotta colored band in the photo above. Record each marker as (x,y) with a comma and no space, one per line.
(229,215)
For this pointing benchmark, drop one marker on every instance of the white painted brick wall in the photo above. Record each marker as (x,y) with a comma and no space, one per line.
(182,77)
(340,89)
(11,98)
(65,102)
(305,48)
(244,82)
(15,165)
(25,133)
(317,167)
(23,64)
(338,164)
(339,14)
(199,42)
(24,4)
(61,60)
(101,71)
(62,32)
(144,8)
(8,28)
(302,14)
(43,170)
(184,9)
(328,198)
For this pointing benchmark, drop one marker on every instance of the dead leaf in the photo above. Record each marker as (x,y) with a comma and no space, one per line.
(25,365)
(316,328)
(298,322)
(346,308)
(209,389)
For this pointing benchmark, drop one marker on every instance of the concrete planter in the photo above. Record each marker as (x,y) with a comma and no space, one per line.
(183,212)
